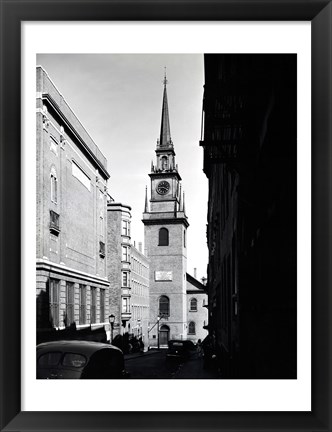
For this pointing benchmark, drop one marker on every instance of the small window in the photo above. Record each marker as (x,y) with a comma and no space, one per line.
(102,249)
(54,294)
(102,305)
(82,300)
(125,253)
(125,305)
(93,305)
(163,306)
(69,303)
(54,223)
(126,227)
(125,279)
(193,305)
(163,237)
(164,163)
(184,238)
(192,328)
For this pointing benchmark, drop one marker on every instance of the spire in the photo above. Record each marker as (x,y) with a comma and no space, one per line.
(165,131)
(146,208)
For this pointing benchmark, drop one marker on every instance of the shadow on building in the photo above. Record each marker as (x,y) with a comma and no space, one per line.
(250,159)
(46,331)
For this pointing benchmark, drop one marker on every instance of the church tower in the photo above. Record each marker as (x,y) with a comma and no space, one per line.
(165,226)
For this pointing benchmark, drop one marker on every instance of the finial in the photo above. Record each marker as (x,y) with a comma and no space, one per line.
(146,207)
(180,199)
(165,79)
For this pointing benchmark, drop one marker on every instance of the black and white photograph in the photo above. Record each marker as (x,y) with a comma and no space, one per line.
(166,216)
(165,190)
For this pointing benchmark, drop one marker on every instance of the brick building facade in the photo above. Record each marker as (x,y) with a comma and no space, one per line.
(72,286)
(140,303)
(118,264)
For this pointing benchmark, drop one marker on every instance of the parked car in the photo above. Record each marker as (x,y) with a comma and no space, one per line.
(181,349)
(75,359)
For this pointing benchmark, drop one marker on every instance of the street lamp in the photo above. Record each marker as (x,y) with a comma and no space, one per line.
(111,320)
(158,332)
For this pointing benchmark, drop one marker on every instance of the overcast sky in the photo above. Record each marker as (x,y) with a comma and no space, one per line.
(118,99)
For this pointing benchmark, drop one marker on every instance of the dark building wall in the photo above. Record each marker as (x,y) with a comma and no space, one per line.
(250,160)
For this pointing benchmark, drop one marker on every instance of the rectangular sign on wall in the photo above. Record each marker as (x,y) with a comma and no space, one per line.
(163,275)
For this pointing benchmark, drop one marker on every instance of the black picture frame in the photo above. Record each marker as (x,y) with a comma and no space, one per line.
(13,12)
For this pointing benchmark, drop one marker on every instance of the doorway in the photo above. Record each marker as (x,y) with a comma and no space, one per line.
(164,335)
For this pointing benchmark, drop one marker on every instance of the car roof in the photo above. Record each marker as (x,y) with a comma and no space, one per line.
(79,346)
(181,340)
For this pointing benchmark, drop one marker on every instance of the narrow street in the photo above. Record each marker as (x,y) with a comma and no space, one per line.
(155,365)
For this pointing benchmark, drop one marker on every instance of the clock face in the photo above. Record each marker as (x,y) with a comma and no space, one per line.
(163,187)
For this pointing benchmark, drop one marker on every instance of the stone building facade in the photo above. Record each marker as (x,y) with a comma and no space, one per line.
(250,143)
(72,286)
(197,312)
(139,276)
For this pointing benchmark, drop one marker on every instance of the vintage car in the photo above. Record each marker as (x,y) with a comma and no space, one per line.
(181,349)
(78,359)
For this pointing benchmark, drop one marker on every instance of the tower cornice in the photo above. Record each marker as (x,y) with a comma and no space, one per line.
(165,150)
(164,221)
(165,174)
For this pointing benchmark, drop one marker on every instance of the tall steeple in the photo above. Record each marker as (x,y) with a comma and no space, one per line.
(166,194)
(165,228)
(165,131)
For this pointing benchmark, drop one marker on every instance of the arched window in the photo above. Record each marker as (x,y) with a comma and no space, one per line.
(184,238)
(193,305)
(163,306)
(54,186)
(164,163)
(192,328)
(163,237)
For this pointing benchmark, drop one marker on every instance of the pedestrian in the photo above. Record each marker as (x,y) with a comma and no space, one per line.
(199,348)
(141,345)
(208,352)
